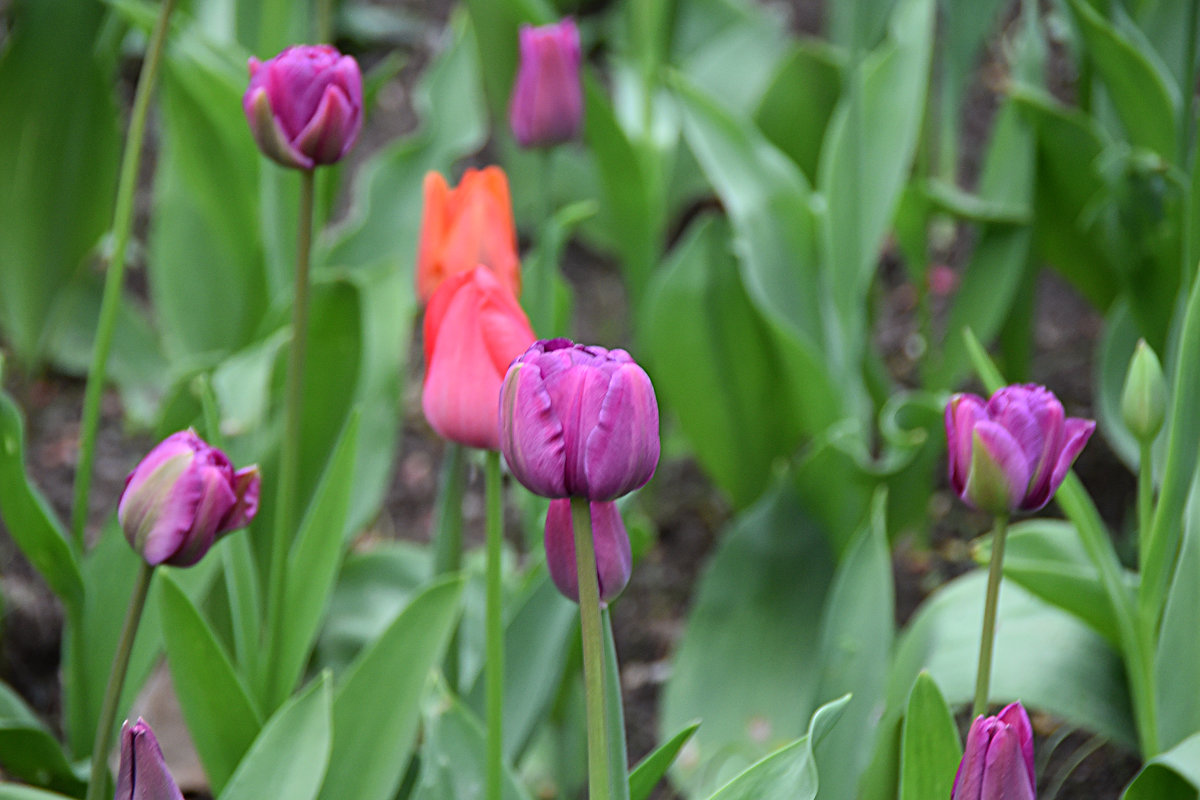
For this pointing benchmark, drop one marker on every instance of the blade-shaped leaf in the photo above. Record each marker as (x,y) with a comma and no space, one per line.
(29,751)
(930,750)
(618,776)
(650,770)
(1173,775)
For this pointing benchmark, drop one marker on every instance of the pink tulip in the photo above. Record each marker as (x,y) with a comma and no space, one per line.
(547,100)
(998,761)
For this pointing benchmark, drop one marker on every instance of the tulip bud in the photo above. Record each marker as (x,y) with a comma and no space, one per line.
(143,773)
(474,328)
(547,100)
(304,105)
(578,421)
(181,497)
(465,227)
(614,558)
(1144,398)
(997,763)
(1012,452)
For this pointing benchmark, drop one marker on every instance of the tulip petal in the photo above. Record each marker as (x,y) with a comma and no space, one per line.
(999,471)
(332,130)
(1015,717)
(531,434)
(614,558)
(213,505)
(1075,436)
(1049,417)
(963,412)
(247,485)
(622,450)
(968,782)
(143,773)
(1005,776)
(270,137)
(430,271)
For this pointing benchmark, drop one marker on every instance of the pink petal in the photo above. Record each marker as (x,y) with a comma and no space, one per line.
(999,471)
(1005,776)
(332,130)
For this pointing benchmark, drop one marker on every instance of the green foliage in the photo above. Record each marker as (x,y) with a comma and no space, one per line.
(930,751)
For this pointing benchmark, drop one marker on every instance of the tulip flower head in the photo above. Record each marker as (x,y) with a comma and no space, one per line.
(1011,452)
(304,105)
(183,496)
(997,763)
(614,558)
(578,421)
(465,227)
(143,773)
(547,100)
(474,328)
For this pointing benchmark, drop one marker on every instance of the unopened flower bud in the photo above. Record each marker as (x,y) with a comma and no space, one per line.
(143,773)
(1144,398)
(997,763)
(547,99)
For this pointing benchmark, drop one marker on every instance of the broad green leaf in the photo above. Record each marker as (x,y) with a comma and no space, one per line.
(1117,343)
(1144,97)
(755,615)
(791,772)
(12,791)
(1177,660)
(798,103)
(267,26)
(221,718)
(453,755)
(930,748)
(29,751)
(312,566)
(1080,679)
(1173,775)
(59,147)
(31,522)
(291,755)
(855,646)
(372,739)
(618,778)
(650,770)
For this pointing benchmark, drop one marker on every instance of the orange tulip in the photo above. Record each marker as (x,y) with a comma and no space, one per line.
(474,328)
(465,227)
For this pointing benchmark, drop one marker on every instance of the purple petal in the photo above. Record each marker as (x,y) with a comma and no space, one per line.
(213,505)
(247,484)
(1015,717)
(1049,417)
(1005,776)
(614,559)
(143,774)
(998,473)
(547,101)
(531,435)
(968,782)
(1076,433)
(332,130)
(271,138)
(622,450)
(962,413)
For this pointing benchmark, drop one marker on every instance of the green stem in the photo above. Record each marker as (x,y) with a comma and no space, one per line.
(543,320)
(983,677)
(593,651)
(1145,500)
(289,450)
(98,783)
(494,666)
(114,279)
(447,536)
(325,13)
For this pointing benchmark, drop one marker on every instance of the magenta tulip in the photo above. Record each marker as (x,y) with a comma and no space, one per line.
(614,559)
(547,100)
(998,761)
(1012,452)
(578,421)
(143,773)
(181,497)
(304,105)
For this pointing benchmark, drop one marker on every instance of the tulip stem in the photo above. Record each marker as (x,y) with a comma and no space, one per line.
(447,533)
(983,677)
(494,665)
(114,278)
(97,782)
(599,758)
(289,449)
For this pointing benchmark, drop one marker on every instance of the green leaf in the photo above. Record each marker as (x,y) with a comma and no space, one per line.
(29,751)
(372,738)
(930,749)
(798,103)
(313,564)
(1177,659)
(59,148)
(650,770)
(290,756)
(1143,95)
(12,791)
(618,778)
(789,773)
(221,718)
(755,615)
(1173,775)
(1080,679)
(30,521)
(1117,343)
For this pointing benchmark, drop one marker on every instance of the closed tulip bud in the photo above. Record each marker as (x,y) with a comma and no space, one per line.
(614,559)
(547,100)
(1144,398)
(474,328)
(143,773)
(997,763)
(181,497)
(465,227)
(1012,452)
(578,421)
(304,105)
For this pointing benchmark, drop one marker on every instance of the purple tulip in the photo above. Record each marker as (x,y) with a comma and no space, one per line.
(998,761)
(181,497)
(614,560)
(143,773)
(578,421)
(304,105)
(547,99)
(1012,452)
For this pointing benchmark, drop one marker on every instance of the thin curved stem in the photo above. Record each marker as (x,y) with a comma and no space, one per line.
(114,278)
(983,677)
(599,757)
(97,781)
(494,667)
(447,537)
